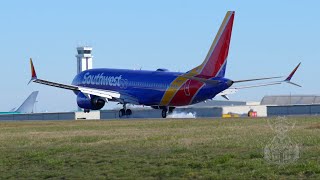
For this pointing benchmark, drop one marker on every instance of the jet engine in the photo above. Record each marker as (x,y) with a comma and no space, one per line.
(93,103)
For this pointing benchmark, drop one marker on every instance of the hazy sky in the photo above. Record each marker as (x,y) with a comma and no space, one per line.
(269,38)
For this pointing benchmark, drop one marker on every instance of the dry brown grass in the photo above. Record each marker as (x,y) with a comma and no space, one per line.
(135,149)
(314,126)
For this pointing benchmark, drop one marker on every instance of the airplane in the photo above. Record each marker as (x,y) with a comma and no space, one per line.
(160,89)
(26,107)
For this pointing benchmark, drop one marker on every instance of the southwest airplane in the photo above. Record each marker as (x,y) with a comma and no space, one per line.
(159,89)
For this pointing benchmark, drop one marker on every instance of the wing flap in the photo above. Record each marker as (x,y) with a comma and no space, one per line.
(100,93)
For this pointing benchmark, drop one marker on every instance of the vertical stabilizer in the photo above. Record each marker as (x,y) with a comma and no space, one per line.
(215,62)
(28,105)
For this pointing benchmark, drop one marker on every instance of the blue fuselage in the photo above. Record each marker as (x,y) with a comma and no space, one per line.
(151,88)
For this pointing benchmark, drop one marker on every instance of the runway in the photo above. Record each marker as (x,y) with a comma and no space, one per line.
(187,112)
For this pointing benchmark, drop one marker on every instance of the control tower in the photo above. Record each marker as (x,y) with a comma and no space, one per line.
(84,58)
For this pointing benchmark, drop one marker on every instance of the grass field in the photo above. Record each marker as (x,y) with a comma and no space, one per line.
(153,149)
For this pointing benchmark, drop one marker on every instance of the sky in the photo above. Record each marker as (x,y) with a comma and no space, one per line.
(269,39)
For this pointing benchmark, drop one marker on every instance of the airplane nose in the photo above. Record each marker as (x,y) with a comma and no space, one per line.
(229,83)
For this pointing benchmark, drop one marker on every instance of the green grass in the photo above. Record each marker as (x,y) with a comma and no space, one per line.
(153,149)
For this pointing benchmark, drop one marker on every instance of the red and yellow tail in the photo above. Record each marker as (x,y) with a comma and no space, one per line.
(213,66)
(215,62)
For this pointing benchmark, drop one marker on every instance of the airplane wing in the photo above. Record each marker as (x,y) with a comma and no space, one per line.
(107,94)
(215,82)
(287,80)
(233,90)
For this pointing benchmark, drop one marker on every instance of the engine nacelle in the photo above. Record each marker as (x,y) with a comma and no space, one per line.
(95,103)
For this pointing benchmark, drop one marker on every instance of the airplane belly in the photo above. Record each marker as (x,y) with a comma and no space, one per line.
(145,96)
(206,93)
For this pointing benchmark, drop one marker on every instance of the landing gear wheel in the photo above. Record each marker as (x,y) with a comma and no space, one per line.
(128,112)
(122,113)
(86,110)
(164,113)
(171,110)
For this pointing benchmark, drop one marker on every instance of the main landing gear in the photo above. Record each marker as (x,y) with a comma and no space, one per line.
(125,111)
(86,110)
(166,111)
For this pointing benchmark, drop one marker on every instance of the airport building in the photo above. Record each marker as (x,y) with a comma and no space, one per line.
(284,100)
(269,106)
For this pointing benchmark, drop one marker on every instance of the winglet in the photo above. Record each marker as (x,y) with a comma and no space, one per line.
(288,79)
(33,72)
